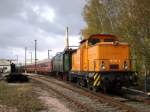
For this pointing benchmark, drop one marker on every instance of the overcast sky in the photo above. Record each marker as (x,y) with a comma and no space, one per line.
(23,21)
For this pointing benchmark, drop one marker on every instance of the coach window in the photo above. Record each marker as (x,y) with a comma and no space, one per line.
(109,40)
(93,41)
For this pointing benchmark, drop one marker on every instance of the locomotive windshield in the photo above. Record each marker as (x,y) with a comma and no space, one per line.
(109,40)
(93,41)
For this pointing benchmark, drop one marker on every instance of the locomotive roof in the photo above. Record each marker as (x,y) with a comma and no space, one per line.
(70,50)
(100,36)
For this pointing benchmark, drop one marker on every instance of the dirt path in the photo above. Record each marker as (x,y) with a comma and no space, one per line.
(51,100)
(75,101)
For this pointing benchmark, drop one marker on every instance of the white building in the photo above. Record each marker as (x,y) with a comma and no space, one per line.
(4,66)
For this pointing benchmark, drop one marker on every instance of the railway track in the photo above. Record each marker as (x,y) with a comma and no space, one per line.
(136,95)
(100,98)
(75,102)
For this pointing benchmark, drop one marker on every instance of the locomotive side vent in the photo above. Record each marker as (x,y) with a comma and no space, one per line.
(114,66)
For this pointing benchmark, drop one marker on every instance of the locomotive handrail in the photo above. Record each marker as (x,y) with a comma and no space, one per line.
(132,65)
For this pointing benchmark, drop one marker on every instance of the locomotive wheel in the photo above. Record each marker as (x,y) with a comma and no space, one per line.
(90,87)
(104,88)
(70,78)
(95,89)
(78,82)
(83,83)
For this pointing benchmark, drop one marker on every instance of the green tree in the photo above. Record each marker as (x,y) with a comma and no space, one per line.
(128,19)
(97,21)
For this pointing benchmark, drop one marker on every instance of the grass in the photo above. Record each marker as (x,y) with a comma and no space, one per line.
(21,97)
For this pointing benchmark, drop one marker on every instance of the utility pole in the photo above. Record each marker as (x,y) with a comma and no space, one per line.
(31,57)
(49,53)
(25,58)
(35,54)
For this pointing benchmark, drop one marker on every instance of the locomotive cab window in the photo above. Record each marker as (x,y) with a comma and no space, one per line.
(93,41)
(109,40)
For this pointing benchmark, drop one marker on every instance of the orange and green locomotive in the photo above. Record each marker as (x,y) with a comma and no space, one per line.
(102,62)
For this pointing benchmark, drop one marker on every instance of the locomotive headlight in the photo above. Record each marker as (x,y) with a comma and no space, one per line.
(125,65)
(103,66)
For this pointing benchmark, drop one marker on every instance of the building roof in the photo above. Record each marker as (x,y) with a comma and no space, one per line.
(4,62)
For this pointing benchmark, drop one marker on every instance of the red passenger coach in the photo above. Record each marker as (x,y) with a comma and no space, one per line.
(42,67)
(30,68)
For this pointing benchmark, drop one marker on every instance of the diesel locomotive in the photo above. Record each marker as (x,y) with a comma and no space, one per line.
(100,62)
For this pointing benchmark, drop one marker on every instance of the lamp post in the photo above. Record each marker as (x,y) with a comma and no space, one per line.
(25,58)
(49,54)
(31,57)
(35,54)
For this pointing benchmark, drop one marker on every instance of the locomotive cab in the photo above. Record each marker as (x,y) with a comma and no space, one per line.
(98,39)
(107,54)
